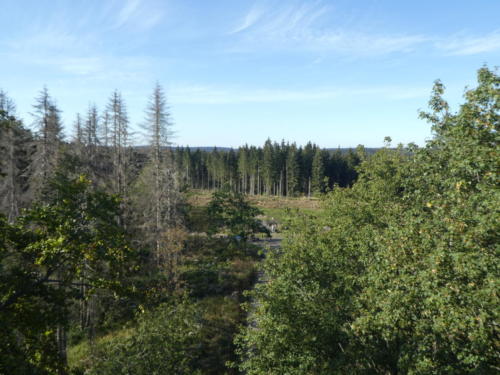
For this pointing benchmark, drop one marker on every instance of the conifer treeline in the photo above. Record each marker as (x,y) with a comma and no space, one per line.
(100,148)
(281,169)
(101,145)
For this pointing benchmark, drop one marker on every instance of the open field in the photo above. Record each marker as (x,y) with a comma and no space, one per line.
(274,208)
(200,198)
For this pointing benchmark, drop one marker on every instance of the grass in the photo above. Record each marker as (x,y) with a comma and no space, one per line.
(80,354)
(274,208)
(200,198)
(216,277)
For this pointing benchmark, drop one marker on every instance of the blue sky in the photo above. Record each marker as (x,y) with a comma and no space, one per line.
(338,73)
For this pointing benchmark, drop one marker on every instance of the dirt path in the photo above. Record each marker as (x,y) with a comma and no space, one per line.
(268,243)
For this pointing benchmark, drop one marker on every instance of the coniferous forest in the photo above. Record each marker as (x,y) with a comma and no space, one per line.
(109,266)
(281,169)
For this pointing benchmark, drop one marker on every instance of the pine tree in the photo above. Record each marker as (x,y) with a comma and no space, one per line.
(120,158)
(91,143)
(318,172)
(243,167)
(268,167)
(307,159)
(292,170)
(187,164)
(78,140)
(48,142)
(157,191)
(14,139)
(254,168)
(231,168)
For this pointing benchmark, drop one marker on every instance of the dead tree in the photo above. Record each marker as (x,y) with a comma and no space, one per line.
(48,131)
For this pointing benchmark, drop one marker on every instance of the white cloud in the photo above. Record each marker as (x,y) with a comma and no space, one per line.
(139,14)
(76,48)
(126,12)
(282,22)
(251,18)
(303,27)
(470,45)
(307,27)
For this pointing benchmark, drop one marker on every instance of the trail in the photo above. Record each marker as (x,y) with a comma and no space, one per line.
(270,244)
(267,245)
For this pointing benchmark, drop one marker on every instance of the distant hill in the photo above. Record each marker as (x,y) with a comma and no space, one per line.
(343,150)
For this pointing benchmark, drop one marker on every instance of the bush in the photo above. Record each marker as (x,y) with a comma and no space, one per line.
(230,211)
(401,275)
(166,341)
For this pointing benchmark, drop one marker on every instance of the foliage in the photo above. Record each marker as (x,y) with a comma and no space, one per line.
(217,266)
(221,317)
(229,210)
(280,169)
(299,325)
(46,258)
(396,275)
(402,274)
(434,298)
(14,141)
(178,337)
(166,341)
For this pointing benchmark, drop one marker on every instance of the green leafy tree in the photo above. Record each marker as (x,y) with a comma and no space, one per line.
(401,274)
(231,211)
(301,322)
(432,295)
(46,258)
(166,341)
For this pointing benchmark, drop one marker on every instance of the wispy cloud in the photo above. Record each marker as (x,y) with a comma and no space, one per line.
(283,22)
(55,46)
(126,12)
(232,95)
(470,45)
(250,19)
(139,14)
(304,27)
(77,48)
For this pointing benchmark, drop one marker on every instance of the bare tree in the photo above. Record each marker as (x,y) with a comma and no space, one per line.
(13,139)
(118,121)
(91,141)
(157,182)
(78,130)
(48,130)
(105,132)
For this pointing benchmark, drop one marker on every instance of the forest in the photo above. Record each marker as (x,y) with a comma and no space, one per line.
(281,169)
(108,265)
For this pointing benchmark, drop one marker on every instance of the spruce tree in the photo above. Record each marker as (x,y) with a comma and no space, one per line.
(48,143)
(292,171)
(14,140)
(318,184)
(268,171)
(120,152)
(156,195)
